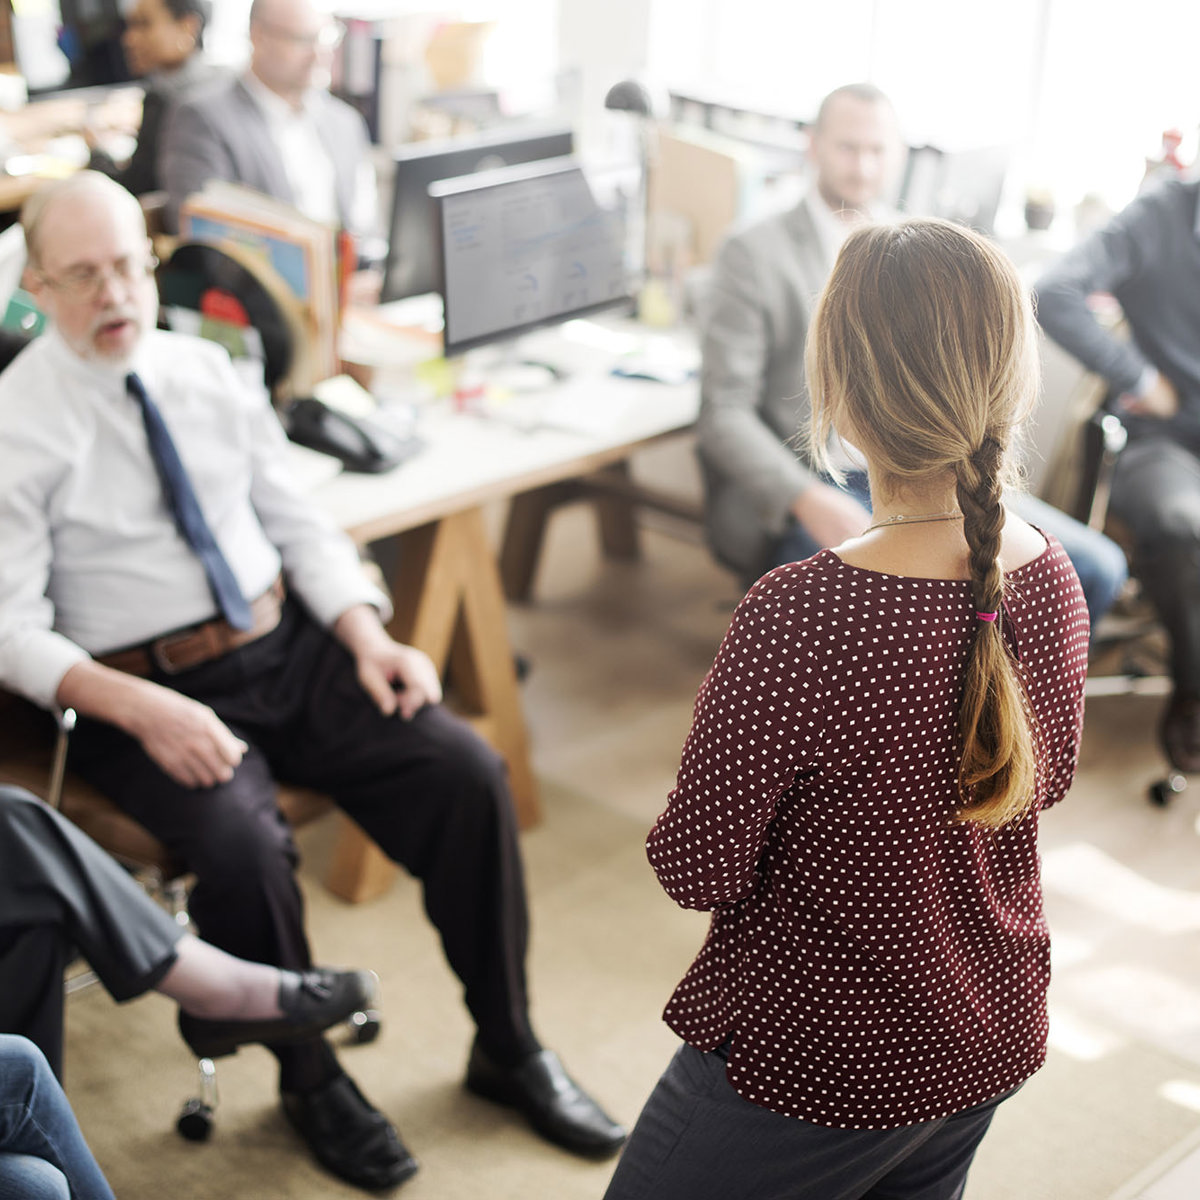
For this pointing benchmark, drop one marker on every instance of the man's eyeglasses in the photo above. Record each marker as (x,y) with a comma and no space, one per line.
(85,282)
(328,37)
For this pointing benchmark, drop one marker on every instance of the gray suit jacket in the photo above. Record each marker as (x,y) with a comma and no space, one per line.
(222,133)
(753,401)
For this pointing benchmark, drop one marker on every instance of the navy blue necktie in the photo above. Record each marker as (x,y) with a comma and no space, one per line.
(189,517)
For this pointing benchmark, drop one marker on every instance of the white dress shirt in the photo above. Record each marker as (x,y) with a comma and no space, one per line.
(90,556)
(307,163)
(833,228)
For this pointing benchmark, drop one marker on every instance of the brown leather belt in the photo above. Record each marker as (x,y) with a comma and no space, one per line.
(198,644)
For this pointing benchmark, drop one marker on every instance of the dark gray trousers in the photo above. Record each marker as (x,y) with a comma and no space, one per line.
(61,895)
(1156,495)
(697,1139)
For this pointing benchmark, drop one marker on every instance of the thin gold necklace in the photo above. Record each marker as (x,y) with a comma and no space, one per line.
(915,519)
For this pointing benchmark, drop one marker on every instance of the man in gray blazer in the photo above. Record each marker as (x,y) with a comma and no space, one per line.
(764,503)
(272,129)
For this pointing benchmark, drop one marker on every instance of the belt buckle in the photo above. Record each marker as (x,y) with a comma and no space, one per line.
(160,646)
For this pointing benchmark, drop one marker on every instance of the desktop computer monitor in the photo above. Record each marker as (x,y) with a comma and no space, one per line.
(411,265)
(528,246)
(964,185)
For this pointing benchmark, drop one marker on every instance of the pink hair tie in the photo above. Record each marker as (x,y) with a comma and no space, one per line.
(982,616)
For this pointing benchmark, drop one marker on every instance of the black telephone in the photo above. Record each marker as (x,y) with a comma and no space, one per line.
(359,444)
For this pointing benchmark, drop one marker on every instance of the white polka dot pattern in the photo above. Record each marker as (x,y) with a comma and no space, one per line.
(873,963)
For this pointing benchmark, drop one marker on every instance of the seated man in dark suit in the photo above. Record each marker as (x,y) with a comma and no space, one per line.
(272,129)
(1148,256)
(161,574)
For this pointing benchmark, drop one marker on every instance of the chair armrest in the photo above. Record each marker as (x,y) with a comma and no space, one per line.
(65,721)
(1111,437)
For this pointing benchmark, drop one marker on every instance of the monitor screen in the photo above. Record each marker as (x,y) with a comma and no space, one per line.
(69,44)
(411,266)
(527,246)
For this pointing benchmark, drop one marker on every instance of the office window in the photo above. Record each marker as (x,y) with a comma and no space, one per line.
(1081,88)
(760,53)
(1116,76)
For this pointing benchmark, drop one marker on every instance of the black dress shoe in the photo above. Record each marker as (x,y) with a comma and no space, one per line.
(554,1104)
(349,1136)
(311,1001)
(1180,732)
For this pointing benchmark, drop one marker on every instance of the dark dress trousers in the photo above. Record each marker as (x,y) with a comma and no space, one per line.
(430,792)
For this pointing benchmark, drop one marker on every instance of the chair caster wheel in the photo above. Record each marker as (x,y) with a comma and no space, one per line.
(364,1026)
(1162,792)
(195,1121)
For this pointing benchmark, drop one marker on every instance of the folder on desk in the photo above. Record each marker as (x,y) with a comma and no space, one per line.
(302,252)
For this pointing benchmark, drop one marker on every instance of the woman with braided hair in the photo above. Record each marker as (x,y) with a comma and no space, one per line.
(859,795)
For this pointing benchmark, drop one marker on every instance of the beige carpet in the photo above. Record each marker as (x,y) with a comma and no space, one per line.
(606,948)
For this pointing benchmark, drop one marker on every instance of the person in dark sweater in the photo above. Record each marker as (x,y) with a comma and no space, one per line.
(1148,257)
(858,798)
(163,41)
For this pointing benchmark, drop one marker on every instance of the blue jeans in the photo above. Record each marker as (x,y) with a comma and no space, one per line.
(1098,560)
(42,1153)
(697,1139)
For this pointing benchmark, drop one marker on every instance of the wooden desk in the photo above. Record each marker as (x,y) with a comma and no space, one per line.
(447,589)
(33,127)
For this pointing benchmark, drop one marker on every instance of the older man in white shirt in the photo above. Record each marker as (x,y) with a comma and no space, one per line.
(160,574)
(276,129)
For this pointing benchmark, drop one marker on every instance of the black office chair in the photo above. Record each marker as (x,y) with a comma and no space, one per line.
(1084,491)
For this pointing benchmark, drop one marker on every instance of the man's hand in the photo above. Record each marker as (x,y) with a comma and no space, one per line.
(1161,401)
(184,737)
(829,515)
(398,678)
(188,740)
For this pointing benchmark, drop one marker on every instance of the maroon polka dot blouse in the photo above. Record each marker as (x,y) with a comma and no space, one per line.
(872,963)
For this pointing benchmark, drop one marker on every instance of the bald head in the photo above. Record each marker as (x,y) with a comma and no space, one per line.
(90,265)
(860,93)
(290,44)
(58,206)
(279,10)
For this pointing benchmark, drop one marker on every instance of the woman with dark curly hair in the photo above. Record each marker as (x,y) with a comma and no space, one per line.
(163,42)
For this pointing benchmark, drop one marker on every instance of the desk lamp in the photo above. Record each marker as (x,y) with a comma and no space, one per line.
(634,97)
